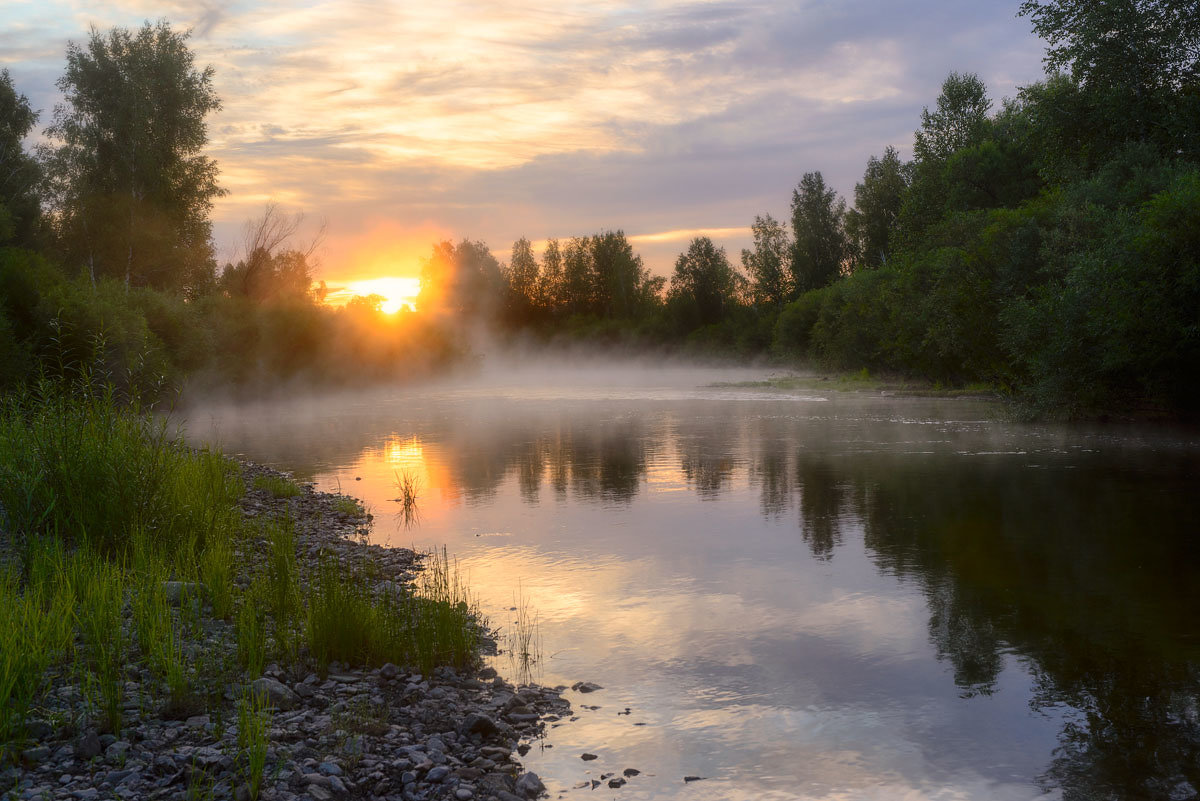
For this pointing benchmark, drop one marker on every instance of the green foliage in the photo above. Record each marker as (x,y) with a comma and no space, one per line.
(819,245)
(131,186)
(349,622)
(877,202)
(767,266)
(705,285)
(278,486)
(20,204)
(253,738)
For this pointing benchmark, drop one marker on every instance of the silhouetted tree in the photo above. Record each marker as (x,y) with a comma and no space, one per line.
(20,207)
(877,202)
(463,281)
(550,284)
(767,265)
(131,187)
(819,246)
(523,283)
(705,285)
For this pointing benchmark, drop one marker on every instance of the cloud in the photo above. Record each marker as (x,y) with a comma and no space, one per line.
(502,119)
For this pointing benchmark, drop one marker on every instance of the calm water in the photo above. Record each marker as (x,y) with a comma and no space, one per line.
(804,594)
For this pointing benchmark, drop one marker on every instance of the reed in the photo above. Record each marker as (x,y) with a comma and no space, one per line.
(253,738)
(278,486)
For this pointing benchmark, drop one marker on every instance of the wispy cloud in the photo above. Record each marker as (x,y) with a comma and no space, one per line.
(501,119)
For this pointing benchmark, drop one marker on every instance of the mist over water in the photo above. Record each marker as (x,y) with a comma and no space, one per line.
(798,594)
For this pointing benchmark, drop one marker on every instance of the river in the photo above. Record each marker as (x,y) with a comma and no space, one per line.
(809,593)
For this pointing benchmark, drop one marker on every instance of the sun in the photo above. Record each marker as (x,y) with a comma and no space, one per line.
(397,292)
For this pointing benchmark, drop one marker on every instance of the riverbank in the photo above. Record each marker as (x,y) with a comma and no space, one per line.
(286,723)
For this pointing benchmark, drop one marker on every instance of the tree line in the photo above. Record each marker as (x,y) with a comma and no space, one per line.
(1045,246)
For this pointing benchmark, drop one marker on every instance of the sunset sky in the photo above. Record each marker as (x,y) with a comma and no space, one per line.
(401,123)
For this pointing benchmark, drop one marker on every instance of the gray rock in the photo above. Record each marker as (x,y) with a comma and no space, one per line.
(529,785)
(389,671)
(117,752)
(337,785)
(478,724)
(277,693)
(588,757)
(585,687)
(38,729)
(38,754)
(615,783)
(437,774)
(463,794)
(88,746)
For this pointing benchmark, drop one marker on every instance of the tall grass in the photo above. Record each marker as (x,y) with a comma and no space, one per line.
(101,597)
(253,728)
(348,621)
(278,486)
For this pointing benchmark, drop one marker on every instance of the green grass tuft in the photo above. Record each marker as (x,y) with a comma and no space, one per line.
(277,485)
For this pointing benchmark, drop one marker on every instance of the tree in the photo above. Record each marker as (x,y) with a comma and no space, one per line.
(550,283)
(577,285)
(704,284)
(819,245)
(1139,60)
(20,209)
(463,281)
(877,202)
(767,264)
(131,187)
(270,269)
(617,275)
(959,119)
(522,276)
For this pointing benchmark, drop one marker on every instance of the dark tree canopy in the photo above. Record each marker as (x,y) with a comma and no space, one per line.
(705,284)
(819,245)
(20,208)
(132,188)
(877,202)
(767,266)
(1138,61)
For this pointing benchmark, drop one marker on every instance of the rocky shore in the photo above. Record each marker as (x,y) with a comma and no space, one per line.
(352,733)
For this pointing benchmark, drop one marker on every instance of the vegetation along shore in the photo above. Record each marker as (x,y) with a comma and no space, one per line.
(176,624)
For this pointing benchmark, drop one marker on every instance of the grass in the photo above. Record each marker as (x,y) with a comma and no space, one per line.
(278,486)
(101,506)
(523,639)
(347,506)
(408,484)
(253,730)
(433,626)
(251,636)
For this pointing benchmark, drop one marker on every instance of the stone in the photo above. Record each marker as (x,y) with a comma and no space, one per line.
(337,785)
(588,757)
(329,769)
(117,752)
(38,754)
(529,785)
(389,671)
(437,774)
(88,746)
(631,771)
(276,692)
(463,794)
(694,778)
(478,724)
(585,687)
(617,782)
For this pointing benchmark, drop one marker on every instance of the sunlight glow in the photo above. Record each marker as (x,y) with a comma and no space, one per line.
(397,292)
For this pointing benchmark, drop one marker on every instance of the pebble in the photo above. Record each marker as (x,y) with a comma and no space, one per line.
(357,733)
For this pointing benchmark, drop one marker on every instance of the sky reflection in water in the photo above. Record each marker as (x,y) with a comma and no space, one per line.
(801,595)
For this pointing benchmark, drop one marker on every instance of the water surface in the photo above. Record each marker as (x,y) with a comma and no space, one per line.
(799,594)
